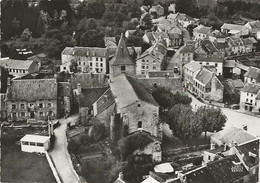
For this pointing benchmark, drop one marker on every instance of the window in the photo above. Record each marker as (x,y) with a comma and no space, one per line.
(16,70)
(79,63)
(123,68)
(143,60)
(90,64)
(251,101)
(140,125)
(41,113)
(22,114)
(64,68)
(139,105)
(208,157)
(32,143)
(154,68)
(101,64)
(83,63)
(207,63)
(143,67)
(247,94)
(96,64)
(216,64)
(96,59)
(13,106)
(251,95)
(101,59)
(154,62)
(23,71)
(246,100)
(14,114)
(25,143)
(49,104)
(147,67)
(40,105)
(22,106)
(40,144)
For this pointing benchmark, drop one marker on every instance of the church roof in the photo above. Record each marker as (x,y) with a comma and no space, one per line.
(122,56)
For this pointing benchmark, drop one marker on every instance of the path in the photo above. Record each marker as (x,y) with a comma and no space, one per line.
(60,155)
(236,118)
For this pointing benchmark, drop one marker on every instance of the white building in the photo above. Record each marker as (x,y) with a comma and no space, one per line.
(250,97)
(35,143)
(201,32)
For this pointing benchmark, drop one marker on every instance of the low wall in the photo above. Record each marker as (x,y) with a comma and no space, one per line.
(53,169)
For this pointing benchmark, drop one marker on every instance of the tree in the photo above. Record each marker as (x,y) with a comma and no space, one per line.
(95,9)
(26,35)
(146,21)
(183,122)
(211,119)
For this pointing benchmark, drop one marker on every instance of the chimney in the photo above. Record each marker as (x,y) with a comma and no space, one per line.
(79,88)
(225,146)
(212,146)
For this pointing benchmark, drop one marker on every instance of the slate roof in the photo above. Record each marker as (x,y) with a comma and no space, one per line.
(229,63)
(208,58)
(16,64)
(90,96)
(128,90)
(106,100)
(250,146)
(253,73)
(200,175)
(221,169)
(203,29)
(88,80)
(233,134)
(232,26)
(187,49)
(32,90)
(122,56)
(208,46)
(158,51)
(85,51)
(251,88)
(204,76)
(193,66)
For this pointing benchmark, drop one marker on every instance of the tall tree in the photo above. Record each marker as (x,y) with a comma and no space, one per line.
(211,119)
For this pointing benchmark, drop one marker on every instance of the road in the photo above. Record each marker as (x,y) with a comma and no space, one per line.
(60,155)
(236,118)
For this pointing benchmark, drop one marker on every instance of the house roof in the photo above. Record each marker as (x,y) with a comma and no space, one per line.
(90,96)
(187,49)
(16,64)
(203,29)
(193,66)
(208,58)
(156,74)
(254,24)
(35,138)
(208,46)
(32,90)
(88,80)
(233,134)
(85,51)
(247,148)
(253,73)
(221,169)
(122,56)
(204,76)
(128,90)
(232,27)
(104,101)
(158,51)
(64,89)
(251,88)
(200,175)
(229,63)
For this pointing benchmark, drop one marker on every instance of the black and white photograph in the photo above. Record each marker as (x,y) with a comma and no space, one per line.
(129,91)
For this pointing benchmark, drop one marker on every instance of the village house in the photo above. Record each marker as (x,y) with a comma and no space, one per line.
(186,53)
(121,62)
(65,98)
(152,37)
(252,75)
(213,62)
(190,70)
(19,67)
(182,18)
(32,100)
(201,32)
(158,10)
(208,86)
(84,59)
(253,27)
(239,45)
(129,110)
(234,30)
(206,47)
(250,97)
(151,60)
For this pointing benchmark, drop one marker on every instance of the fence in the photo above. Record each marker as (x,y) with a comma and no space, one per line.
(186,149)
(53,169)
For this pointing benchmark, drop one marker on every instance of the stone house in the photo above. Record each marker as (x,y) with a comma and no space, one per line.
(182,18)
(213,62)
(158,9)
(151,60)
(186,53)
(121,62)
(190,70)
(206,47)
(250,97)
(19,67)
(152,37)
(201,32)
(32,100)
(253,27)
(65,98)
(208,86)
(84,59)
(239,45)
(234,30)
(252,75)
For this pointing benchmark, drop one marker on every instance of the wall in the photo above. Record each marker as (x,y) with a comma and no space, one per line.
(2,106)
(217,90)
(116,70)
(173,83)
(150,64)
(104,116)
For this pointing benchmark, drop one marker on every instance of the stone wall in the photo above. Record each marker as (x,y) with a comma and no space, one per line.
(174,84)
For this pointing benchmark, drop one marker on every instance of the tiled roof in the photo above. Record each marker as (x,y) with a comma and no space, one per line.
(221,169)
(233,134)
(187,49)
(15,64)
(90,95)
(85,51)
(253,73)
(88,80)
(249,147)
(122,56)
(33,89)
(208,58)
(193,66)
(251,88)
(204,76)
(208,46)
(200,175)
(232,26)
(203,29)
(158,51)
(106,100)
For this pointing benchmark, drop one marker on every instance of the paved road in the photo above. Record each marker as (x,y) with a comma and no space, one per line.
(236,118)
(60,155)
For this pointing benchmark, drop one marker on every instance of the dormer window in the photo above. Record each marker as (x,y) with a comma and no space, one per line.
(139,105)
(123,68)
(140,125)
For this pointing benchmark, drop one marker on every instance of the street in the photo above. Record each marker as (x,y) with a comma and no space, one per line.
(235,118)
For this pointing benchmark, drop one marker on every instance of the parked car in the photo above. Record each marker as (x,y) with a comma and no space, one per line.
(235,106)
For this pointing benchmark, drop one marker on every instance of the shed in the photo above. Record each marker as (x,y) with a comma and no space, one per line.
(35,143)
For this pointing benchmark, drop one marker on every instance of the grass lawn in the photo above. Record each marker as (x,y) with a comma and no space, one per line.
(23,167)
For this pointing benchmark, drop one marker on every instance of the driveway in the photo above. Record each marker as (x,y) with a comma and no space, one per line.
(235,118)
(60,155)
